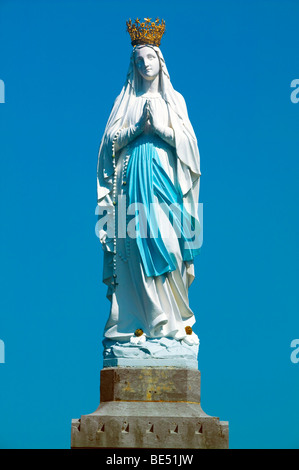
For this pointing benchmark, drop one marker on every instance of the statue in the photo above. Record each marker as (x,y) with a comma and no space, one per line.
(148,186)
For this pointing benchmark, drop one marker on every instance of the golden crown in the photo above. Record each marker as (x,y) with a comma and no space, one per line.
(146,32)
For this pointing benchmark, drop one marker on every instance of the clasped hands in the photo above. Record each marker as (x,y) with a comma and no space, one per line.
(149,117)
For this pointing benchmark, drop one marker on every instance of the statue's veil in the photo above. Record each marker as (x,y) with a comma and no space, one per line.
(188,168)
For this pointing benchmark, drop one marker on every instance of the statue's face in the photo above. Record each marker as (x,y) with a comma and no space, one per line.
(147,62)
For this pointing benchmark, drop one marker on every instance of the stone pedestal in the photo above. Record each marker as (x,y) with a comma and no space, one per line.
(149,407)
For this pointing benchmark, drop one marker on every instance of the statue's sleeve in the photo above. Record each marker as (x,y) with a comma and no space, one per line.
(186,144)
(125,135)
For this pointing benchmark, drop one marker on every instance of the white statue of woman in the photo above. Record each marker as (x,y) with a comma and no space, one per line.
(148,183)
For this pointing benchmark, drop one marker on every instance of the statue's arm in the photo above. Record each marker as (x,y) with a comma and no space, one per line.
(167,134)
(127,134)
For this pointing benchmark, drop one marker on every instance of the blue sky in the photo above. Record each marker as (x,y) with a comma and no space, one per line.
(63,63)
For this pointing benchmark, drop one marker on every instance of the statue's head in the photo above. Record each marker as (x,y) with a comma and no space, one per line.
(146,62)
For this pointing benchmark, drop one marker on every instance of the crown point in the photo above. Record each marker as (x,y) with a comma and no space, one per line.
(149,32)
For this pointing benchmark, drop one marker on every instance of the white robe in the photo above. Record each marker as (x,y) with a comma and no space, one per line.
(158,305)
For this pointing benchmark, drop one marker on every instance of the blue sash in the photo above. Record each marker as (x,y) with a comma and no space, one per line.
(146,179)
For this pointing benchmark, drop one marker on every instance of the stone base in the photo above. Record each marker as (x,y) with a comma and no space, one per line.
(140,363)
(153,408)
(154,352)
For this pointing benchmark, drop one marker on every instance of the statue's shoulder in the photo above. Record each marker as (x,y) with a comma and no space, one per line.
(179,96)
(181,101)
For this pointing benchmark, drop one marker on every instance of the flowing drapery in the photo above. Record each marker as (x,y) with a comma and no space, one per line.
(153,272)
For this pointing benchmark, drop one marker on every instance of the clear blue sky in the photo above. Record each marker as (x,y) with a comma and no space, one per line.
(63,63)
